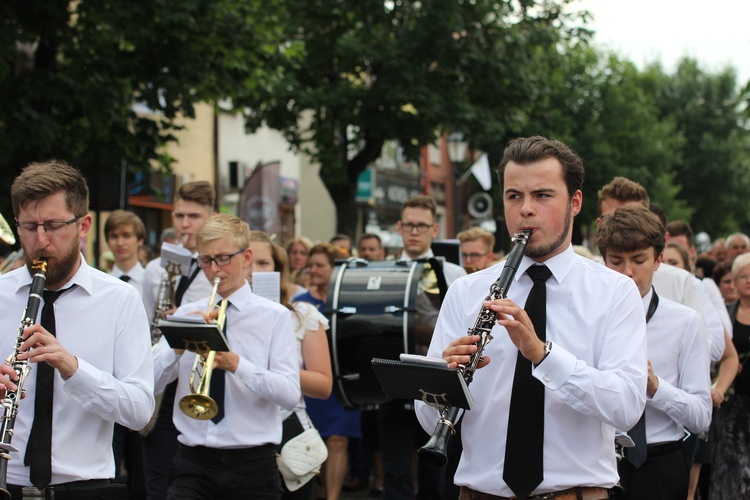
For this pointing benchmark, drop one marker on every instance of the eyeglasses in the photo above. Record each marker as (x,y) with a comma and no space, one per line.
(421,227)
(221,260)
(50,226)
(472,256)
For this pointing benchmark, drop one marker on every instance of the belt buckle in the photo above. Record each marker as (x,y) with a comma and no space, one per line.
(33,493)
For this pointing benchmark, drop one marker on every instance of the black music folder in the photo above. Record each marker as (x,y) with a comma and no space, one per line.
(193,334)
(423,380)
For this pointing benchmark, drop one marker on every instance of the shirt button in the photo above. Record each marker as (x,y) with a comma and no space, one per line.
(547,377)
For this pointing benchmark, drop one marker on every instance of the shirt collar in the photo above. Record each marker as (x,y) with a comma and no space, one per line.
(560,265)
(405,257)
(135,272)
(241,297)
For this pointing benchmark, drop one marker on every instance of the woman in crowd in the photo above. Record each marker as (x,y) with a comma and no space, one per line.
(730,473)
(335,423)
(298,251)
(723,278)
(312,344)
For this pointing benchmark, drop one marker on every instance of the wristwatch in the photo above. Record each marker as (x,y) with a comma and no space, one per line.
(547,350)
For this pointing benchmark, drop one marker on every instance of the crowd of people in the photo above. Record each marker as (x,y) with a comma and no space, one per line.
(612,374)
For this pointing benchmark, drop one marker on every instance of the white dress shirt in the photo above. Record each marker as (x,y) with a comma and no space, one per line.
(101,321)
(595,376)
(260,332)
(678,353)
(714,327)
(677,285)
(308,318)
(198,289)
(137,275)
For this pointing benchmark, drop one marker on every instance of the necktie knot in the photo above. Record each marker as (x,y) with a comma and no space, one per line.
(50,297)
(539,273)
(125,278)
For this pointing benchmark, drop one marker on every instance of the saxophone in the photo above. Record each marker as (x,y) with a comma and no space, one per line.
(10,402)
(434,453)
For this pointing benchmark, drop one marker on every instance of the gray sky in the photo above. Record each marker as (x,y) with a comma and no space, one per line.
(715,32)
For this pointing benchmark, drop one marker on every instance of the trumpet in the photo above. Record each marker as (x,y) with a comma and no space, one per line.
(434,452)
(198,404)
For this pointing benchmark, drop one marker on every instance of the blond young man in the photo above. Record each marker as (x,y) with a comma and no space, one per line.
(233,455)
(476,248)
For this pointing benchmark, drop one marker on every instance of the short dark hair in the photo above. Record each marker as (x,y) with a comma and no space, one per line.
(629,229)
(200,192)
(421,201)
(125,217)
(526,150)
(38,180)
(371,236)
(623,190)
(680,228)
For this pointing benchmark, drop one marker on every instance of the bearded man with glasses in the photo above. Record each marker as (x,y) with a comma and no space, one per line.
(89,352)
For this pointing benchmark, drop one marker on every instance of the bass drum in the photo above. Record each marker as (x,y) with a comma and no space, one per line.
(371,307)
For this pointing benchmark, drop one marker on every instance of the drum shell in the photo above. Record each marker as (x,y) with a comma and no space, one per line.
(371,310)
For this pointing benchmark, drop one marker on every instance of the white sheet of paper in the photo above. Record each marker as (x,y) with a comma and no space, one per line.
(176,257)
(267,285)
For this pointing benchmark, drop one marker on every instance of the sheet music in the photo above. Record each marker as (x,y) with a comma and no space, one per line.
(267,285)
(175,257)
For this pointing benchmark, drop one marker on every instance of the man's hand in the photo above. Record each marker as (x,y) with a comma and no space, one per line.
(40,346)
(460,350)
(520,329)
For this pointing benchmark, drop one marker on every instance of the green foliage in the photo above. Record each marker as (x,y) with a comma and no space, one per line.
(356,73)
(70,73)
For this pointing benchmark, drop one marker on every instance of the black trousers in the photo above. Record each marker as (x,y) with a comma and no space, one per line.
(159,448)
(661,477)
(202,473)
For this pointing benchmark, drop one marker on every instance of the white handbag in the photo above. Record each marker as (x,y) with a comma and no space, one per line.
(301,457)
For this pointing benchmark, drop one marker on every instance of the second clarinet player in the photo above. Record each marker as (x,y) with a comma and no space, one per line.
(567,363)
(88,348)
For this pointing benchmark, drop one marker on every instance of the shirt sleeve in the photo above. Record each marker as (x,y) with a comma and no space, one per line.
(126,395)
(689,404)
(279,381)
(613,390)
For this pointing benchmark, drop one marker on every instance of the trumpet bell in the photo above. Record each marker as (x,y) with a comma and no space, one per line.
(199,406)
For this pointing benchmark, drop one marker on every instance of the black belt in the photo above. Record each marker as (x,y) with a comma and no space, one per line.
(95,489)
(205,452)
(654,450)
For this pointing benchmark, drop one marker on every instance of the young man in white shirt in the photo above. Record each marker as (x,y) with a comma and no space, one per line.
(590,367)
(193,205)
(233,455)
(631,241)
(92,344)
(125,233)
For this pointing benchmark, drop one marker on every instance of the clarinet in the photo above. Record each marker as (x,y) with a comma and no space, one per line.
(10,402)
(434,452)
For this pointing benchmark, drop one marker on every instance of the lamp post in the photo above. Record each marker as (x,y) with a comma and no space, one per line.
(457,146)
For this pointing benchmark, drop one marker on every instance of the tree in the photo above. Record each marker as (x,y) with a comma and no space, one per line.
(714,166)
(597,104)
(71,72)
(354,74)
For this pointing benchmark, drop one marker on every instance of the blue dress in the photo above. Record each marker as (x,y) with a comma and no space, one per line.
(328,415)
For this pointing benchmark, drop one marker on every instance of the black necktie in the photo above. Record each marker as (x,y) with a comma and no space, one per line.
(637,454)
(125,278)
(39,448)
(524,467)
(217,384)
(184,283)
